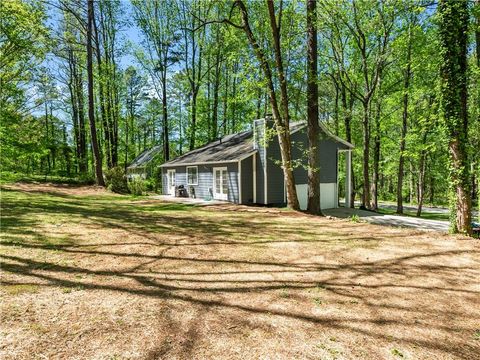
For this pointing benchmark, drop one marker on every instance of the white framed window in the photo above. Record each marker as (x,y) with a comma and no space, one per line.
(192,175)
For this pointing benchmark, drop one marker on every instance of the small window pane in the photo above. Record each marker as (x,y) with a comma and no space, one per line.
(192,176)
(224,182)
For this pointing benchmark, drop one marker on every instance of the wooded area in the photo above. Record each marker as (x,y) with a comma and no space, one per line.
(86,86)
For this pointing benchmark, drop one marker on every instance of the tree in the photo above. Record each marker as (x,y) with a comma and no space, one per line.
(313,206)
(406,88)
(453,25)
(135,84)
(280,111)
(370,26)
(91,106)
(156,19)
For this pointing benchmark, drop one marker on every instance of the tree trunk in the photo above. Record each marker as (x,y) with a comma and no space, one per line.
(225,101)
(101,95)
(376,163)
(366,155)
(91,109)
(281,123)
(312,111)
(193,124)
(347,108)
(47,137)
(74,106)
(421,178)
(401,162)
(336,112)
(234,97)
(476,174)
(83,160)
(166,138)
(216,87)
(432,190)
(376,147)
(453,26)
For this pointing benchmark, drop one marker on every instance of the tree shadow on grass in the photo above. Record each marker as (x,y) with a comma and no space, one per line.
(20,216)
(144,285)
(183,275)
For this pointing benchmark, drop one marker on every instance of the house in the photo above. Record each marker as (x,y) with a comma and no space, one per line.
(245,168)
(142,164)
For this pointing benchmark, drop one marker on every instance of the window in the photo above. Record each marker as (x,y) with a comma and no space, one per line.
(192,175)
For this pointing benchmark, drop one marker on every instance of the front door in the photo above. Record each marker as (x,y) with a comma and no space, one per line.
(171,182)
(220,183)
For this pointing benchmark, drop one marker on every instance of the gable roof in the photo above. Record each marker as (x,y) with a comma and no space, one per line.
(145,157)
(234,147)
(229,148)
(302,124)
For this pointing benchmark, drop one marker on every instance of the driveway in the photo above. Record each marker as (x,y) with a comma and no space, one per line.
(391,220)
(429,209)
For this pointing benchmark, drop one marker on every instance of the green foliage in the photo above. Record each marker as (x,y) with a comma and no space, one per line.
(397,353)
(116,181)
(355,218)
(137,186)
(39,112)
(11,177)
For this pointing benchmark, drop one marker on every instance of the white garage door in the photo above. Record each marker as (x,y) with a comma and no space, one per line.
(328,195)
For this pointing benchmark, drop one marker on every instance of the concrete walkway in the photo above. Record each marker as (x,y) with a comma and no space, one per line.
(391,220)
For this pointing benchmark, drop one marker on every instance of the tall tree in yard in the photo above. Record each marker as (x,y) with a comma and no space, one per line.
(280,109)
(406,85)
(91,110)
(453,24)
(312,110)
(371,45)
(156,20)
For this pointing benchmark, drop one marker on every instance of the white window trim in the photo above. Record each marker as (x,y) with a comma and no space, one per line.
(169,184)
(192,167)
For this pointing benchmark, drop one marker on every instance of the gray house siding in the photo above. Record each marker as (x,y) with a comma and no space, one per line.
(261,177)
(204,188)
(259,135)
(247,180)
(275,181)
(260,180)
(327,154)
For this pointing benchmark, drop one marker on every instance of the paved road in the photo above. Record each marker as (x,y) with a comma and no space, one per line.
(391,220)
(433,210)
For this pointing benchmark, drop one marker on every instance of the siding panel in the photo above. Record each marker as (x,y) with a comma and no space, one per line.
(275,181)
(259,133)
(247,180)
(327,154)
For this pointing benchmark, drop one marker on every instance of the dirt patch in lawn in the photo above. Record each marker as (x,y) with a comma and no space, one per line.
(88,276)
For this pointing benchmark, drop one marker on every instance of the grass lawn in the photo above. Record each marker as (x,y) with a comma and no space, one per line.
(88,274)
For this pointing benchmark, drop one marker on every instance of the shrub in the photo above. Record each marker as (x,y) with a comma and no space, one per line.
(150,184)
(115,180)
(137,186)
